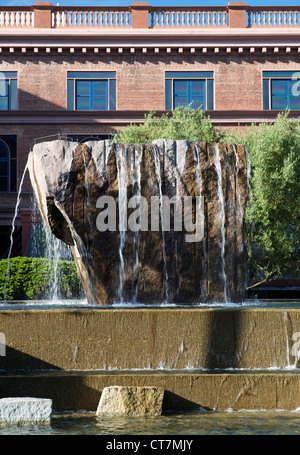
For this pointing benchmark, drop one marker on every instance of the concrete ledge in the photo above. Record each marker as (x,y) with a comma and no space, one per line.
(182,391)
(105,339)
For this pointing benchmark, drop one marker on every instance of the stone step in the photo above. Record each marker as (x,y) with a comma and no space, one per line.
(213,390)
(150,338)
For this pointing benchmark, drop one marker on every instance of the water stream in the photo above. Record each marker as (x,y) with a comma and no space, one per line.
(121,157)
(13,229)
(222,218)
(157,171)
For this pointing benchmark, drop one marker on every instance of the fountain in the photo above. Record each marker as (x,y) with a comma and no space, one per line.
(177,190)
(157,234)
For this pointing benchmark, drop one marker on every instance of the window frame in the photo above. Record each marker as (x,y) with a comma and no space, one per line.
(206,76)
(74,76)
(10,77)
(11,143)
(267,78)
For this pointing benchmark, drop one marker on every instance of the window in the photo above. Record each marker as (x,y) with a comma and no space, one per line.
(8,164)
(8,91)
(92,91)
(189,87)
(281,90)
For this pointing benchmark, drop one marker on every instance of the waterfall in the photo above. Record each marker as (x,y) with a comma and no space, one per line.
(222,217)
(12,231)
(199,183)
(238,191)
(121,157)
(136,159)
(157,171)
(43,244)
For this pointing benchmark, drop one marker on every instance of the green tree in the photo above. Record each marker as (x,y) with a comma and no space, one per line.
(180,124)
(273,220)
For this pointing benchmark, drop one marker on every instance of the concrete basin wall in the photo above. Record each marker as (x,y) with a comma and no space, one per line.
(108,339)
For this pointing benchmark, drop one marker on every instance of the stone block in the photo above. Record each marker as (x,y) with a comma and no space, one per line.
(27,409)
(130,401)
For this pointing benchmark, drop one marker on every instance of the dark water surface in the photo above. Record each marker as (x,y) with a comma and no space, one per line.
(192,423)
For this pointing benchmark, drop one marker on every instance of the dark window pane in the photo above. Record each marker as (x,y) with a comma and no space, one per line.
(4,103)
(281,74)
(198,103)
(4,151)
(278,89)
(266,98)
(70,95)
(180,92)
(3,184)
(92,74)
(180,88)
(180,101)
(4,87)
(168,94)
(13,95)
(197,94)
(83,91)
(294,94)
(197,88)
(3,168)
(83,103)
(83,88)
(188,74)
(100,88)
(112,95)
(100,104)
(210,95)
(13,175)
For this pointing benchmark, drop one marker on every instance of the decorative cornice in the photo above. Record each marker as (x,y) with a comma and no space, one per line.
(123,118)
(226,41)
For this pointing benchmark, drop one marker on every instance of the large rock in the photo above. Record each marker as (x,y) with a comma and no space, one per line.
(130,401)
(25,410)
(148,266)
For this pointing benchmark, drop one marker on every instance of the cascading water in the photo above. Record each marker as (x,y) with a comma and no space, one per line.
(136,159)
(222,218)
(43,244)
(121,157)
(12,231)
(199,182)
(157,171)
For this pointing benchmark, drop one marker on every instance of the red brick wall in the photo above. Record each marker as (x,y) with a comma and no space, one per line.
(42,79)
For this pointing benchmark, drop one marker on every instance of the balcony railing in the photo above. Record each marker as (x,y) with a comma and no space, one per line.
(273,17)
(101,17)
(142,15)
(189,17)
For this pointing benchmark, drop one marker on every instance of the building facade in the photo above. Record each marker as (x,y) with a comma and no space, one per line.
(83,72)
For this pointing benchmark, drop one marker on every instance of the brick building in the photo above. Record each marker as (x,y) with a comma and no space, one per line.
(86,71)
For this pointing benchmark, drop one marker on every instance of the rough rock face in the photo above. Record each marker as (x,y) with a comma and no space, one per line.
(149,265)
(130,401)
(25,410)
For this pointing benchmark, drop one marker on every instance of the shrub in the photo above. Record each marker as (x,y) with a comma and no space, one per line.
(33,278)
(181,124)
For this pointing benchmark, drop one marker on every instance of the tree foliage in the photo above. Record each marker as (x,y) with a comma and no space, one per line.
(273,217)
(181,124)
(33,278)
